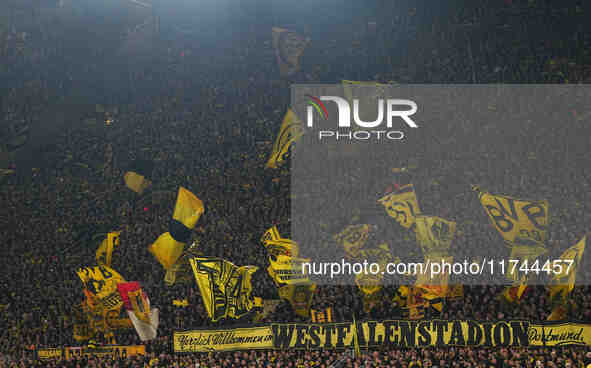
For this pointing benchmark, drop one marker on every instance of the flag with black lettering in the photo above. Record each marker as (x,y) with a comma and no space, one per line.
(300,297)
(353,238)
(287,270)
(321,315)
(289,47)
(145,319)
(434,235)
(169,246)
(291,130)
(519,221)
(105,251)
(402,205)
(226,289)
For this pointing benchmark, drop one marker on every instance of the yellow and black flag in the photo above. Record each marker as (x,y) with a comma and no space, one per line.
(226,289)
(100,282)
(289,47)
(353,238)
(402,205)
(564,281)
(434,235)
(105,250)
(276,245)
(291,130)
(321,315)
(370,284)
(287,270)
(519,221)
(300,297)
(137,177)
(169,246)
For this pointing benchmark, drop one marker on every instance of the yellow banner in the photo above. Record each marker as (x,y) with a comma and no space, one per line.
(560,334)
(518,221)
(291,130)
(49,353)
(113,351)
(402,205)
(400,333)
(373,334)
(223,340)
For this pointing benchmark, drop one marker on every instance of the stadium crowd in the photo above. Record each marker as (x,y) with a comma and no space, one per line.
(211,129)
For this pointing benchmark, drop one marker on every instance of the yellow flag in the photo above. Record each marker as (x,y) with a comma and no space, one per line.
(271,234)
(226,289)
(101,282)
(289,47)
(276,245)
(455,291)
(105,250)
(518,221)
(300,296)
(436,286)
(402,205)
(353,238)
(435,235)
(369,283)
(287,270)
(523,253)
(169,246)
(291,130)
(564,279)
(136,182)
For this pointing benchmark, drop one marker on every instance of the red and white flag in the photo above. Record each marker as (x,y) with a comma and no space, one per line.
(144,319)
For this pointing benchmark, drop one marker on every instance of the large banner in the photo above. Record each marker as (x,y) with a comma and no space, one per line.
(372,334)
(112,351)
(223,340)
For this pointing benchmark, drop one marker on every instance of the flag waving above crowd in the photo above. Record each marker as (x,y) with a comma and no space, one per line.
(169,246)
(291,130)
(289,47)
